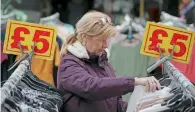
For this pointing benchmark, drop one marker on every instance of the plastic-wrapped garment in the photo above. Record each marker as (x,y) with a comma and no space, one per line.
(32,95)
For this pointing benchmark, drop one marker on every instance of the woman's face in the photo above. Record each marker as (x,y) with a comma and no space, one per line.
(96,45)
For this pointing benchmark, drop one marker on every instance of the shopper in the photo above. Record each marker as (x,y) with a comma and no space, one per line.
(86,77)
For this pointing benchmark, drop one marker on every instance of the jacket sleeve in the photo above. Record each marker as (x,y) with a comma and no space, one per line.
(75,79)
(122,105)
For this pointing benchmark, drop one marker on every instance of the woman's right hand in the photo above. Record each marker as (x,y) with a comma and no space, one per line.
(151,83)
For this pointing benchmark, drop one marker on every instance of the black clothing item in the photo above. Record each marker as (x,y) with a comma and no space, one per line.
(33,94)
(5,66)
(171,7)
(190,109)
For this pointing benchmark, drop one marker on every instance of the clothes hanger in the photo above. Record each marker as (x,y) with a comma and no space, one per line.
(178,91)
(178,103)
(174,83)
(166,82)
(180,94)
(14,96)
(5,81)
(184,84)
(188,101)
(24,56)
(174,87)
(12,105)
(181,98)
(161,61)
(164,76)
(190,109)
(186,96)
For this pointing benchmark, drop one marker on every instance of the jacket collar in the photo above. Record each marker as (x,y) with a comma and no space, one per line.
(80,51)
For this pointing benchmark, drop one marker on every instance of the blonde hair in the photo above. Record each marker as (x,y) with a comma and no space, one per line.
(91,24)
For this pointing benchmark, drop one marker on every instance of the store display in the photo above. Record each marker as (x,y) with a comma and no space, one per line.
(32,86)
(177,94)
(33,34)
(24,92)
(170,37)
(63,30)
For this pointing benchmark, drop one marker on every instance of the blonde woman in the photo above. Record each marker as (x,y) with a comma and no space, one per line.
(87,79)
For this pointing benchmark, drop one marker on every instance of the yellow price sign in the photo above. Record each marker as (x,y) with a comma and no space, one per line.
(166,36)
(27,34)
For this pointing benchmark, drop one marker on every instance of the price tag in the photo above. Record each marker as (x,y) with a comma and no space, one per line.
(28,33)
(166,36)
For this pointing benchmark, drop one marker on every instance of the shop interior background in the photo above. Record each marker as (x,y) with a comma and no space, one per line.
(71,10)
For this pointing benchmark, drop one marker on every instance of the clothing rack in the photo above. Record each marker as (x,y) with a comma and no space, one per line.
(13,80)
(172,71)
(24,65)
(179,77)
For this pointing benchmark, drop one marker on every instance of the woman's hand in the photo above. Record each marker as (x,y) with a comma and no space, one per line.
(151,83)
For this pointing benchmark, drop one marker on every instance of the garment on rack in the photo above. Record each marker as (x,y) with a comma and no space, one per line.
(3,30)
(64,30)
(60,42)
(6,59)
(163,102)
(5,66)
(172,97)
(128,60)
(4,72)
(190,109)
(3,55)
(44,69)
(33,95)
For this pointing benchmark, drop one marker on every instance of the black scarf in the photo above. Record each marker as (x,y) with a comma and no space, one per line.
(100,60)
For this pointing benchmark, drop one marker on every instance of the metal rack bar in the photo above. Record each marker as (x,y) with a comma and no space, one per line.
(180,78)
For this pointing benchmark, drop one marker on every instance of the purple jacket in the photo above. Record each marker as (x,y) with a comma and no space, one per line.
(91,88)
